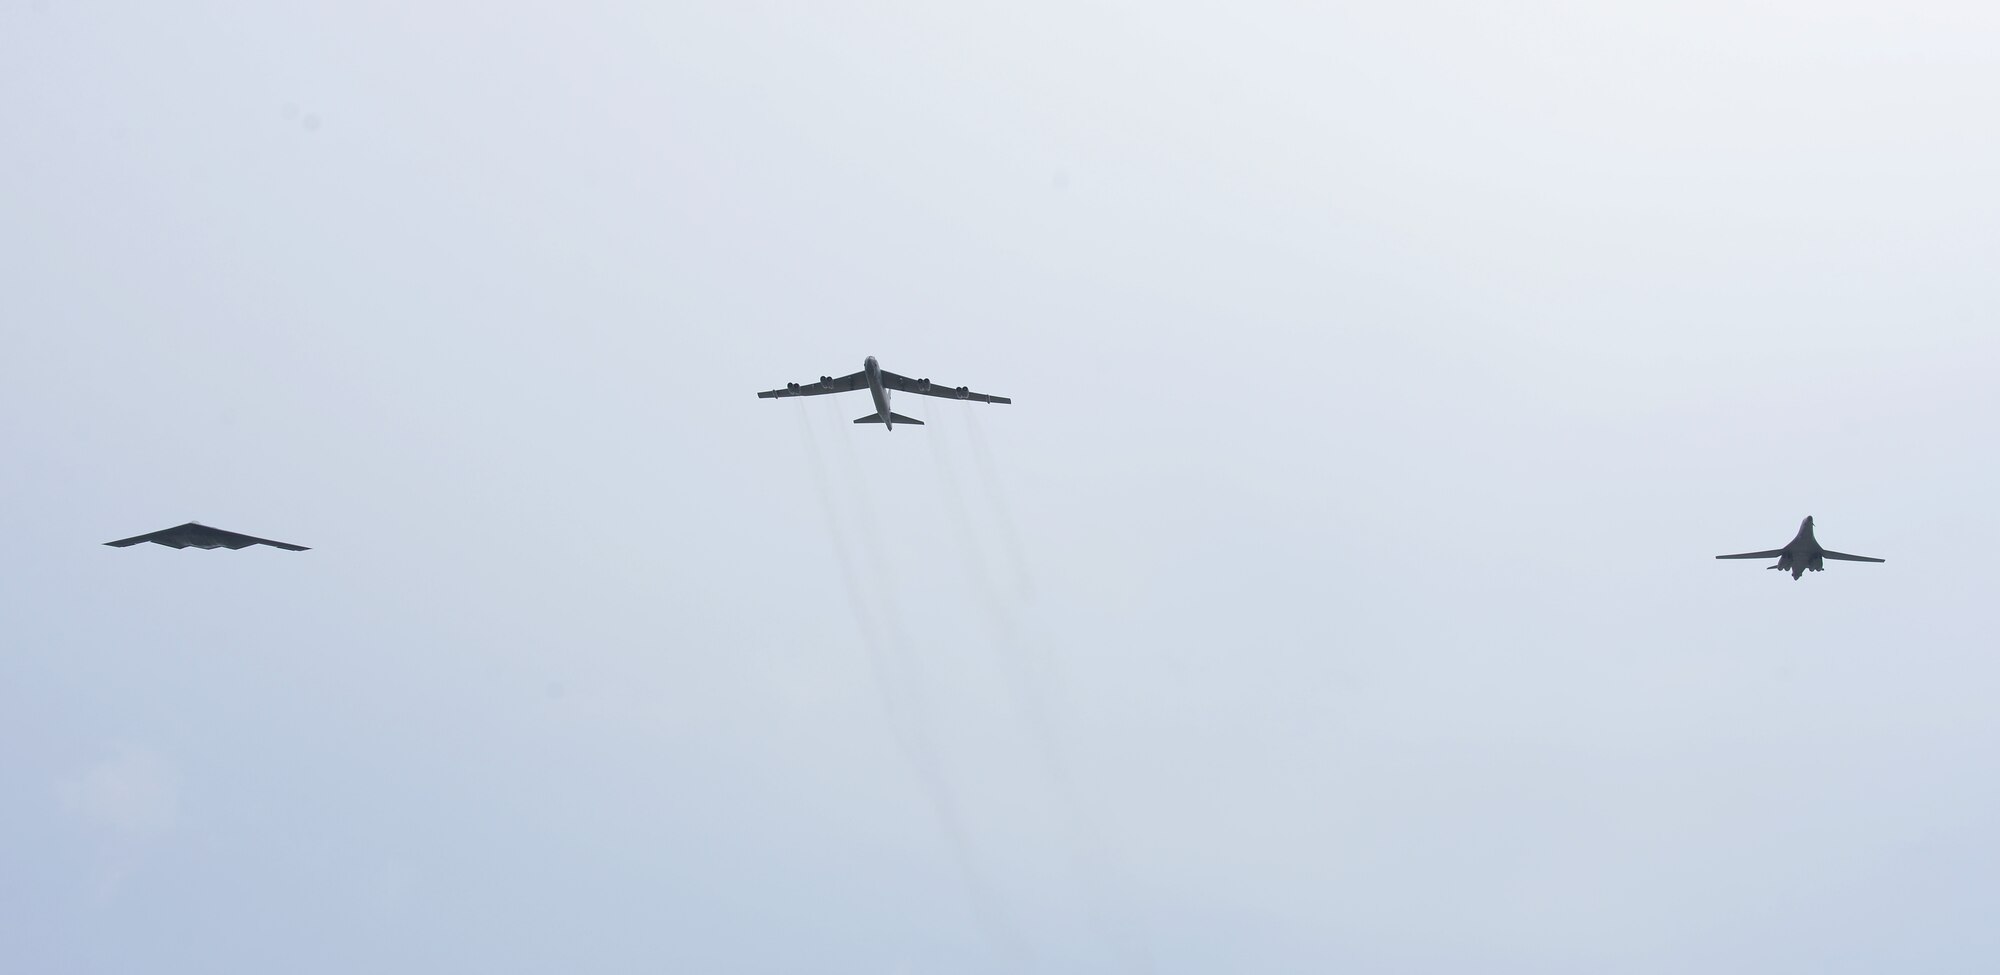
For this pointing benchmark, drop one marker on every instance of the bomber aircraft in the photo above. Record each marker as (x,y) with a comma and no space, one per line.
(879,382)
(1802,553)
(194,534)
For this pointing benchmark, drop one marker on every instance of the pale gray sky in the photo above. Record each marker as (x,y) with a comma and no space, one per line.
(1337,594)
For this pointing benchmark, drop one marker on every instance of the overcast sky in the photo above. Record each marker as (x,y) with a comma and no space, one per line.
(1336,595)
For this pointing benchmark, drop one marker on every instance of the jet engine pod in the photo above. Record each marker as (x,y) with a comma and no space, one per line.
(794,387)
(923,385)
(964,391)
(826,379)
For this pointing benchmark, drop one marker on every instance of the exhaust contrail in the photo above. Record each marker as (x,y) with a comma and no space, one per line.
(900,682)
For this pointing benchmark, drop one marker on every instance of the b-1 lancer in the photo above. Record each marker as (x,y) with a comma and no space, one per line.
(1802,553)
(879,382)
(194,534)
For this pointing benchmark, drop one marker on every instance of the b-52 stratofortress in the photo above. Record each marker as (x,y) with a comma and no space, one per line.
(1802,553)
(879,382)
(194,534)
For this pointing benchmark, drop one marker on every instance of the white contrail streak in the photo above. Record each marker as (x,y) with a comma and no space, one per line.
(900,683)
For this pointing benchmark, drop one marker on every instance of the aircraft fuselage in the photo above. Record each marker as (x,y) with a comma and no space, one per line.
(879,392)
(1802,553)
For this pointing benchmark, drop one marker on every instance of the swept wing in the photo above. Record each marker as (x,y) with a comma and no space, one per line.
(924,387)
(1844,557)
(197,535)
(1772,554)
(148,537)
(826,384)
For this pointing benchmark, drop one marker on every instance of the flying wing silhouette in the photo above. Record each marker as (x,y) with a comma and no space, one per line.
(194,534)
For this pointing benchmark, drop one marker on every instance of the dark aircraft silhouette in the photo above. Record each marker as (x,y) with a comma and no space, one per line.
(194,534)
(1802,553)
(879,382)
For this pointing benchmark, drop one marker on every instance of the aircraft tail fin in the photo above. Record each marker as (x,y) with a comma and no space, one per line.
(893,417)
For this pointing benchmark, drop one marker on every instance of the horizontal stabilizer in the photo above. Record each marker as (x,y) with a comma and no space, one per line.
(893,418)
